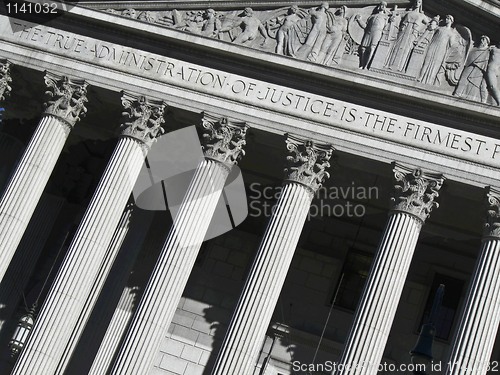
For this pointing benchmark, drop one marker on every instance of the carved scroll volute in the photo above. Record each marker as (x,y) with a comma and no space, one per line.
(5,79)
(492,225)
(143,118)
(415,192)
(67,98)
(224,139)
(309,162)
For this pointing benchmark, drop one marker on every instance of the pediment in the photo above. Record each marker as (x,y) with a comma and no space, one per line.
(403,43)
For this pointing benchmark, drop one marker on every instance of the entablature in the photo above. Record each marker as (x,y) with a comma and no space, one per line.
(198,73)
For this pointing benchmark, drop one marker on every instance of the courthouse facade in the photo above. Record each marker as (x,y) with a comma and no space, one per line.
(366,136)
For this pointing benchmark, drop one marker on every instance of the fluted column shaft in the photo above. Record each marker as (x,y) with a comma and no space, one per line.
(255,307)
(64,306)
(27,183)
(129,297)
(170,275)
(476,333)
(116,328)
(377,307)
(413,201)
(66,300)
(161,296)
(262,288)
(113,249)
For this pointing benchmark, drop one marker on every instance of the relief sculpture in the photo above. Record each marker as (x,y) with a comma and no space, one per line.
(374,28)
(493,73)
(408,45)
(411,28)
(472,84)
(444,54)
(316,35)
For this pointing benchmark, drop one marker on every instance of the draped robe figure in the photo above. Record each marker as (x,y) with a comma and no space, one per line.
(411,27)
(314,41)
(436,53)
(472,84)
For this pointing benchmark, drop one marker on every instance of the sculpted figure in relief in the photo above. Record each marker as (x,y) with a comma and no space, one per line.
(250,25)
(374,28)
(426,37)
(319,18)
(283,37)
(394,24)
(445,54)
(331,49)
(411,27)
(493,73)
(472,84)
(206,24)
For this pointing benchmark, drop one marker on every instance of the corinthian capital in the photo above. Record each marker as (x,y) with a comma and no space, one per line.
(415,191)
(143,118)
(492,226)
(224,139)
(308,164)
(67,98)
(5,78)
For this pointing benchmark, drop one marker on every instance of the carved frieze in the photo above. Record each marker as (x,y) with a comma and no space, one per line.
(5,79)
(492,225)
(415,192)
(224,139)
(144,118)
(67,98)
(409,45)
(308,163)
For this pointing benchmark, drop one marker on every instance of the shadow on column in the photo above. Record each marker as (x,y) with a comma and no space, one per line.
(129,274)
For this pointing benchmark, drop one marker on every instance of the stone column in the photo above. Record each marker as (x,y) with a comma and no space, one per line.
(5,78)
(475,337)
(304,175)
(414,199)
(156,309)
(129,298)
(27,183)
(114,247)
(64,306)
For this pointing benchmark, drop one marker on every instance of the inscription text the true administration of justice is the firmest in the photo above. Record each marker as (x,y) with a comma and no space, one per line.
(274,97)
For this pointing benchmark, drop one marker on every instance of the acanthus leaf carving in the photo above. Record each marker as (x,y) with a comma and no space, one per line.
(224,139)
(67,98)
(5,79)
(143,118)
(415,192)
(309,162)
(492,202)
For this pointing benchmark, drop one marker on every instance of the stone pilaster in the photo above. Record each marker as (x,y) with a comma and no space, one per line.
(25,187)
(5,79)
(414,199)
(304,175)
(64,308)
(476,333)
(222,147)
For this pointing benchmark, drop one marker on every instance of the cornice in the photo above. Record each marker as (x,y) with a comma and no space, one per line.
(368,85)
(194,4)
